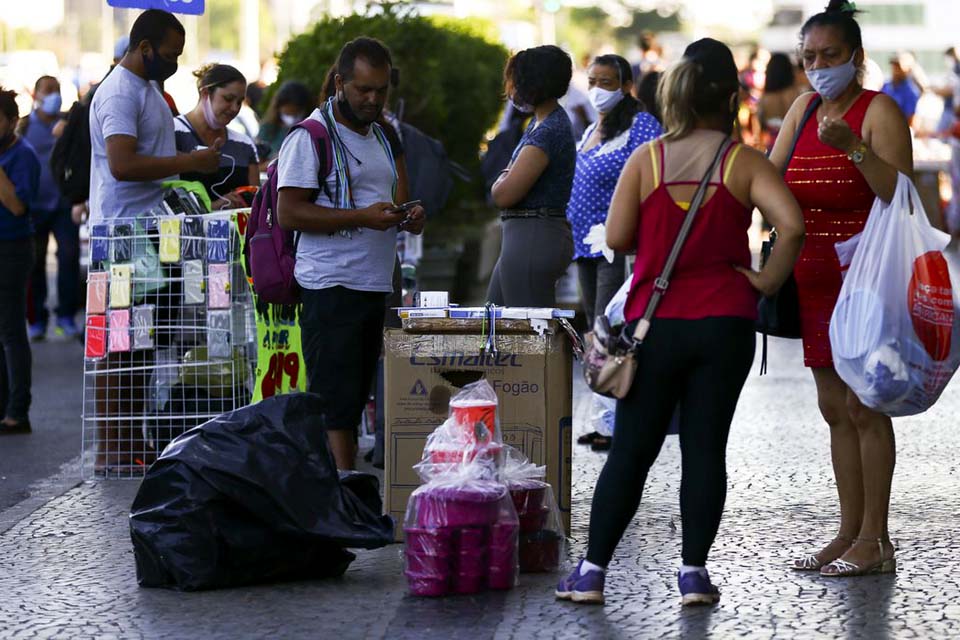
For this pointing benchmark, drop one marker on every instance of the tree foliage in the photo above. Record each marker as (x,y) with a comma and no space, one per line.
(450,70)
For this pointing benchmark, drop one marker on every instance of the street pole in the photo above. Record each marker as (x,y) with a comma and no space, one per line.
(106,29)
(250,40)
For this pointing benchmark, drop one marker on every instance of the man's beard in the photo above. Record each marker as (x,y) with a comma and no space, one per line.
(347,111)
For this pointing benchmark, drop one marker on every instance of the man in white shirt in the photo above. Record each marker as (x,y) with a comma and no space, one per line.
(131,127)
(347,248)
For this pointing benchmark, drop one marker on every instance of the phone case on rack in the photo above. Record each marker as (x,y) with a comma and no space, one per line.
(99,243)
(218,334)
(218,286)
(188,201)
(97,291)
(169,240)
(119,331)
(121,243)
(143,327)
(120,286)
(193,282)
(191,239)
(96,343)
(217,239)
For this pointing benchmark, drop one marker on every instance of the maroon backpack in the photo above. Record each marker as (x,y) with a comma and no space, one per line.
(270,251)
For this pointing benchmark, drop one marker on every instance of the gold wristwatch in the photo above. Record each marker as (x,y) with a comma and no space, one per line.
(859,153)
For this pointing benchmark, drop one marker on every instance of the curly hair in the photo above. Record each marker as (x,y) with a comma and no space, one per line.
(8,104)
(533,76)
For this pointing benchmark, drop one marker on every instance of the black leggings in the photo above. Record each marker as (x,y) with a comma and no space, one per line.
(702,365)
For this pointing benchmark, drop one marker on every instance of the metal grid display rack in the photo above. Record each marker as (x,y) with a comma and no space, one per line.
(170,336)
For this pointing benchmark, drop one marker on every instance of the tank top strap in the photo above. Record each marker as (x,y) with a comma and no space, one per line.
(858,112)
(729,157)
(656,162)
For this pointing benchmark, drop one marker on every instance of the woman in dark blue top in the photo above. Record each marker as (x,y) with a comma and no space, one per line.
(19,176)
(533,191)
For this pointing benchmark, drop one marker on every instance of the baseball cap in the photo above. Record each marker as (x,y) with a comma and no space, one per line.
(119,49)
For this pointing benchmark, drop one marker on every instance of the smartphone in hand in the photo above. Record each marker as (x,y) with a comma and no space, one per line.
(406,207)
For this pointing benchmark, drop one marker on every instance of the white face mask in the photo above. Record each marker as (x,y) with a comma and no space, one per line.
(604,100)
(288,120)
(522,107)
(831,82)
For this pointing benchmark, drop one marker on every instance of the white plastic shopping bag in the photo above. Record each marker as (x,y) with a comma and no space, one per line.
(894,330)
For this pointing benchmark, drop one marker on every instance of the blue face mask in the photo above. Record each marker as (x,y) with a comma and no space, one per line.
(50,104)
(831,82)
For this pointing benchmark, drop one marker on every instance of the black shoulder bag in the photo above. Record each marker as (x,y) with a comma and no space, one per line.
(779,315)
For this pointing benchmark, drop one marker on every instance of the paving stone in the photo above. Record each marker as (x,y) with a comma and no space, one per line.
(67,569)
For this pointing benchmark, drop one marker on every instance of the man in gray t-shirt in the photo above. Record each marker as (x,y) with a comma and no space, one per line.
(133,151)
(131,127)
(347,248)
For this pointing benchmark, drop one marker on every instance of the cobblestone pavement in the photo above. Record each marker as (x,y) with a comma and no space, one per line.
(67,570)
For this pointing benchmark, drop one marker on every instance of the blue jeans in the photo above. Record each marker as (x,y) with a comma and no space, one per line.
(16,261)
(67,235)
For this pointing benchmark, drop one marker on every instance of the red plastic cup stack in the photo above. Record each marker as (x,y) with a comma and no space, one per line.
(458,545)
(539,545)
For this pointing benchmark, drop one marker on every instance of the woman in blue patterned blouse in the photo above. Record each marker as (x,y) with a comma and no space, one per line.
(623,126)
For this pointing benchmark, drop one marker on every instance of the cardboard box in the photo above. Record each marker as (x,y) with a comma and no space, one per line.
(533,378)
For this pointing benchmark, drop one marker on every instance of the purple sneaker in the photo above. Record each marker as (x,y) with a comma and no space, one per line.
(696,588)
(584,589)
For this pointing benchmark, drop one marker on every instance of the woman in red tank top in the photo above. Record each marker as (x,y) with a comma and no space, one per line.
(701,341)
(846,156)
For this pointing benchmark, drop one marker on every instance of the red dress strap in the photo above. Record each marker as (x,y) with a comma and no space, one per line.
(857,113)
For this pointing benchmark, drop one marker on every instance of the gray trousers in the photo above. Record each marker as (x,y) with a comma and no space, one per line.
(534,254)
(599,282)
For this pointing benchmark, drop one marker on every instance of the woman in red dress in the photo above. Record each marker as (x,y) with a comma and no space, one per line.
(846,156)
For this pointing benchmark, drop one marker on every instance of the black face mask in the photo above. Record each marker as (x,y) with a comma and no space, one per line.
(158,68)
(7,140)
(347,111)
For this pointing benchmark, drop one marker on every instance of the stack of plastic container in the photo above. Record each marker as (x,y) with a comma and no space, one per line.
(461,527)
(541,538)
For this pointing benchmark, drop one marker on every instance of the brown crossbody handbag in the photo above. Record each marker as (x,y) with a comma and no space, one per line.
(610,363)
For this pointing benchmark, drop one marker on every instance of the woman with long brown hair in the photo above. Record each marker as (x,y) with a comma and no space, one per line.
(701,341)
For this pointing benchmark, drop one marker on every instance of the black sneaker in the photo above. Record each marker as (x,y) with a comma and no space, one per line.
(602,443)
(589,438)
(18,427)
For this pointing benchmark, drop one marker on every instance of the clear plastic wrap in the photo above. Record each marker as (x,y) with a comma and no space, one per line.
(461,535)
(471,433)
(603,414)
(461,526)
(119,335)
(97,282)
(218,289)
(542,543)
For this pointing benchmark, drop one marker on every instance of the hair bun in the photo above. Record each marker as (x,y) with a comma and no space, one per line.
(842,6)
(203,70)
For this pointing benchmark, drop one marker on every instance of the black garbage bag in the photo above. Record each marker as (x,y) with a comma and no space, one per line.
(253,496)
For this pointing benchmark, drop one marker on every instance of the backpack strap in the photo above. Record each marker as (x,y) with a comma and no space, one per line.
(321,140)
